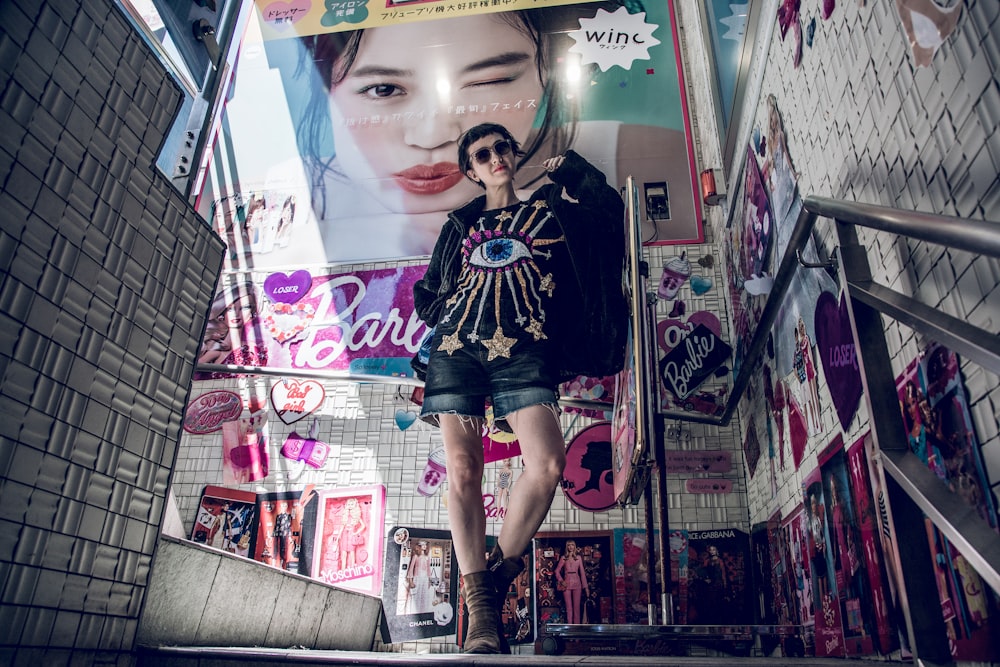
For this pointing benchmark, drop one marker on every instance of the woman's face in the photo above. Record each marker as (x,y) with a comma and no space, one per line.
(498,170)
(225,317)
(411,92)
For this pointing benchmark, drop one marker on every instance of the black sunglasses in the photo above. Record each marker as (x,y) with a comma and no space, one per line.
(501,148)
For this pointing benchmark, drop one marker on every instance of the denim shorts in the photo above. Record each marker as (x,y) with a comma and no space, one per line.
(462,382)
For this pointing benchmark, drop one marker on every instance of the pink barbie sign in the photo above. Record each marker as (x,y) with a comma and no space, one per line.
(361,323)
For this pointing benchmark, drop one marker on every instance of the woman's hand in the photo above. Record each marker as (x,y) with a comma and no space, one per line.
(553,163)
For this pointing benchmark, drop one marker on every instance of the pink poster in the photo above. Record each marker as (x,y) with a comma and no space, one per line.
(796,529)
(939,427)
(940,433)
(245,456)
(623,426)
(825,595)
(362,323)
(849,553)
(747,254)
(967,604)
(348,548)
(588,480)
(867,529)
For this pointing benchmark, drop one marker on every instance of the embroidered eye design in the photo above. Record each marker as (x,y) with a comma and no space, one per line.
(498,253)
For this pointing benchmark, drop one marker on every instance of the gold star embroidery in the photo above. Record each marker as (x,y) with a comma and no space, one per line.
(451,343)
(540,204)
(535,329)
(504,216)
(547,284)
(499,345)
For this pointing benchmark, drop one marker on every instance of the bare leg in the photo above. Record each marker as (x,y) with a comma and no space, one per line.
(463,446)
(544,453)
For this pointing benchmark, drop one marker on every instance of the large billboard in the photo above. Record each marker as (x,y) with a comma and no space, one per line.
(338,139)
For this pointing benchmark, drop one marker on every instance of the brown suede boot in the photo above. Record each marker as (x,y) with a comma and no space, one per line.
(504,571)
(480,598)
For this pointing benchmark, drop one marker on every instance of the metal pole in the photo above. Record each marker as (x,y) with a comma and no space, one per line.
(650,554)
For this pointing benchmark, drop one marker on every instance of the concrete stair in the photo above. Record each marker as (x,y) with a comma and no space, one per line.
(200,597)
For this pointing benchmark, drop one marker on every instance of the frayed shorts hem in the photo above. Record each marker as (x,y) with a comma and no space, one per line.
(504,403)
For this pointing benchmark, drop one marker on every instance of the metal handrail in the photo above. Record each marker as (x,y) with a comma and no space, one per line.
(915,491)
(978,236)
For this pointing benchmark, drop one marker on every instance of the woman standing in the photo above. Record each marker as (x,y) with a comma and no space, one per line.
(352,534)
(418,580)
(572,578)
(507,280)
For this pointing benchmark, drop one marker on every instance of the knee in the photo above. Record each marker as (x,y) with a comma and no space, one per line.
(465,474)
(551,468)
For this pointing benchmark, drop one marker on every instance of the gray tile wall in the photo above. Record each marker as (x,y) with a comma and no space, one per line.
(863,123)
(106,277)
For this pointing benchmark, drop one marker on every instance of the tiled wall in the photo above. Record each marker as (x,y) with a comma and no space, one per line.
(95,344)
(864,124)
(106,277)
(367,446)
(359,422)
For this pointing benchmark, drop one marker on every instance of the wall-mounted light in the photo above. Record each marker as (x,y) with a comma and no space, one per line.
(713,187)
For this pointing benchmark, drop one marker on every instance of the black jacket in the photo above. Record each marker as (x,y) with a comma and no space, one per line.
(592,320)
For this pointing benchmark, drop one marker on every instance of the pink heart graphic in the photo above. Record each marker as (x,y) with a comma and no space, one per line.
(281,14)
(838,355)
(285,321)
(282,288)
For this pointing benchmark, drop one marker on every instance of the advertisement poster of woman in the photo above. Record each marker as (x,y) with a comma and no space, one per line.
(363,115)
(348,547)
(420,588)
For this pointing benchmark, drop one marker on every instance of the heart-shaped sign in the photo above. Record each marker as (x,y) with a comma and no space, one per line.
(281,14)
(700,284)
(838,355)
(285,321)
(294,399)
(405,419)
(282,288)
(335,14)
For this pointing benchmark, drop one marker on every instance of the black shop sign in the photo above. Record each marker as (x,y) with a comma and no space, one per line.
(695,358)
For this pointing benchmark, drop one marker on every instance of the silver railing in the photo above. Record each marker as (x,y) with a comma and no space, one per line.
(914,491)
